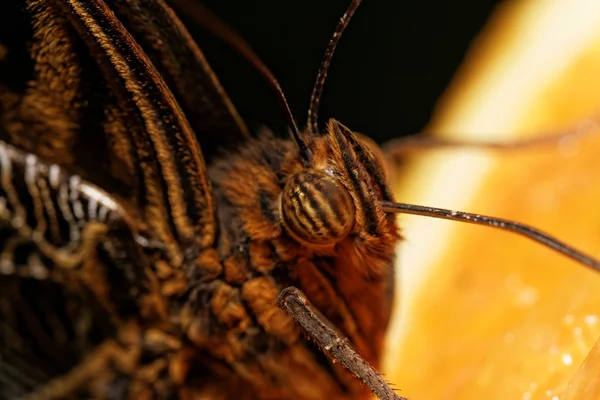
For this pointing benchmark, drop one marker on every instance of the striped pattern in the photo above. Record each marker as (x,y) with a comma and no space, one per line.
(110,101)
(316,208)
(62,240)
(364,176)
(56,211)
(174,176)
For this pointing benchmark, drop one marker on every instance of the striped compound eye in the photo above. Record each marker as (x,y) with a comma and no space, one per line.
(316,208)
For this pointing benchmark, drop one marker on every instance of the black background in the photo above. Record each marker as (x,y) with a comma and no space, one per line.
(393,61)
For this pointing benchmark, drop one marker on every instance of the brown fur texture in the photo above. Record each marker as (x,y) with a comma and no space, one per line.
(350,282)
(181,300)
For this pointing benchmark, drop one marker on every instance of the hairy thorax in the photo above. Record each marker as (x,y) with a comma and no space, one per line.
(247,344)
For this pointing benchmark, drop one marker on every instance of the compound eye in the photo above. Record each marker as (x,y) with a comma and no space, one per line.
(316,208)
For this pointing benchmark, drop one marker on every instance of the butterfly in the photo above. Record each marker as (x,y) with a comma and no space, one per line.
(152,247)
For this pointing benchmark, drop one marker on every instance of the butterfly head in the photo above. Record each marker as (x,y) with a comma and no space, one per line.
(334,202)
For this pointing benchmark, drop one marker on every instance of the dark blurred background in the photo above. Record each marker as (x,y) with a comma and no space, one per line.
(393,62)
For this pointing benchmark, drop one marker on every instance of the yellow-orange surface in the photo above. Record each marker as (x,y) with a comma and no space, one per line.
(484,314)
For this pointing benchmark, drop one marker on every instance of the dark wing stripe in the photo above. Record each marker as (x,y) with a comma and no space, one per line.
(188,75)
(176,149)
(20,185)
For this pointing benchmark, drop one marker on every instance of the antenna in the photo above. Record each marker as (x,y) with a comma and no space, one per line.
(315,98)
(514,227)
(216,26)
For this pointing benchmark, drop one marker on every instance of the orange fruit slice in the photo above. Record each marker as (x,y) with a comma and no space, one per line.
(481,313)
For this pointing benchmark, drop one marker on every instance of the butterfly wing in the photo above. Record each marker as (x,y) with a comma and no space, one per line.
(78,93)
(184,68)
(71,270)
(90,100)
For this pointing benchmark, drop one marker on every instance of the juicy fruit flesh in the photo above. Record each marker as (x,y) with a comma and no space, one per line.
(483,313)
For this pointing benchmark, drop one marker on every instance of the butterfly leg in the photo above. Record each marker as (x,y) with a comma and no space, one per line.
(87,370)
(292,300)
(99,372)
